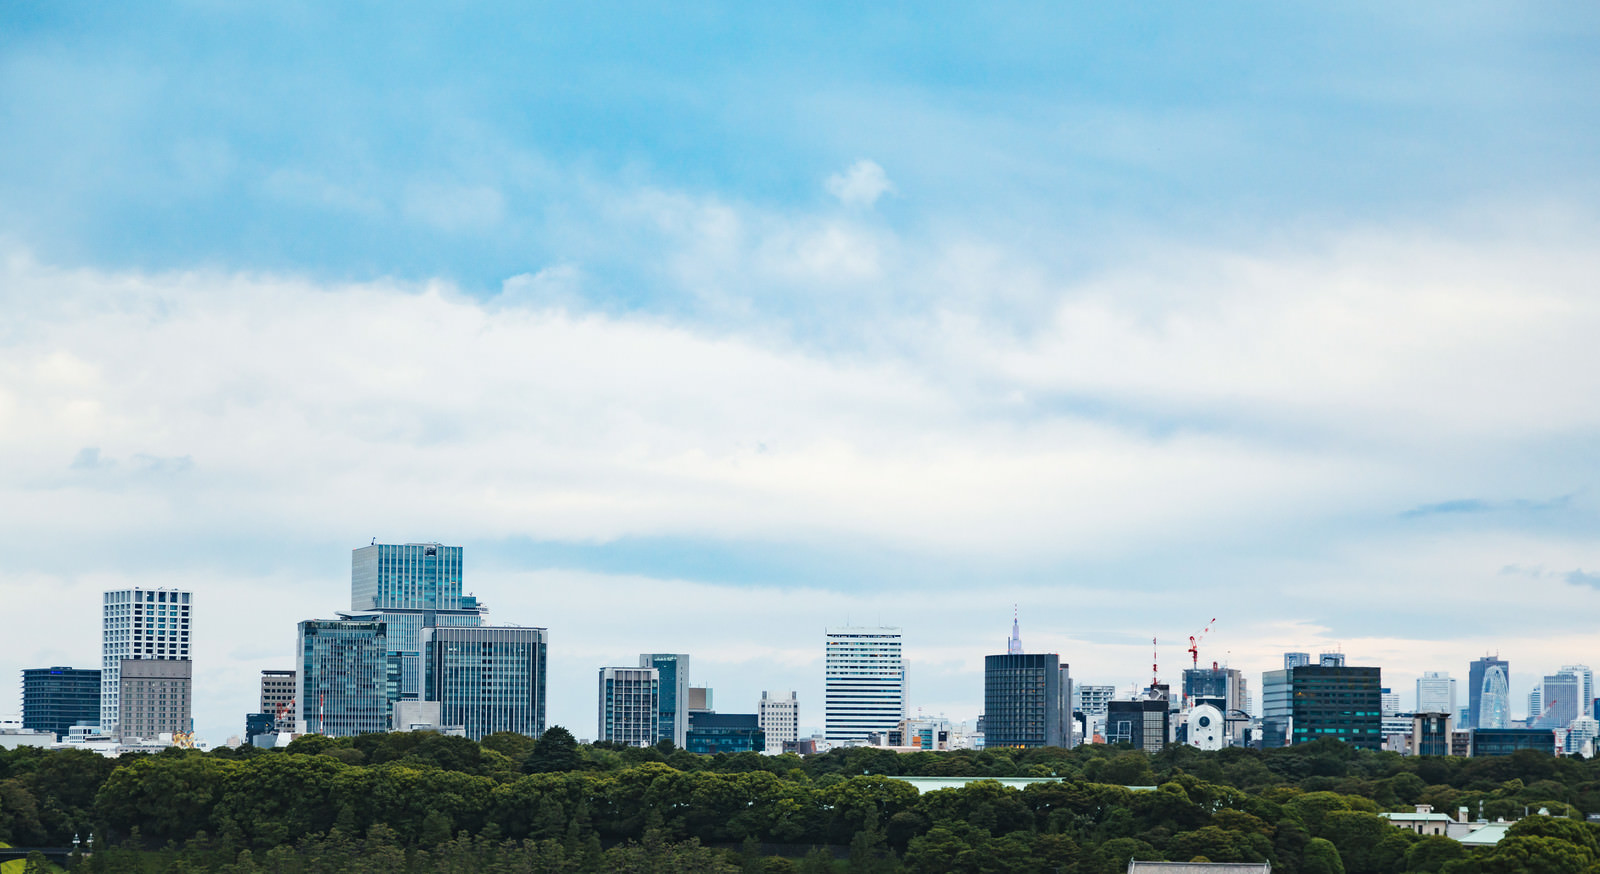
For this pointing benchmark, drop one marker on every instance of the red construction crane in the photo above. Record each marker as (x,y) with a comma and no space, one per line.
(1194,642)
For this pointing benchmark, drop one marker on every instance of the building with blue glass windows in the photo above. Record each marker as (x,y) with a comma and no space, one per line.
(347,677)
(410,587)
(672,669)
(486,679)
(58,698)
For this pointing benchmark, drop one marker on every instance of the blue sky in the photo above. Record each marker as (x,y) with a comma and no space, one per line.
(760,319)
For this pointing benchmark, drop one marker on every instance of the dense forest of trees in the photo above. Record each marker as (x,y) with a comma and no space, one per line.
(420,802)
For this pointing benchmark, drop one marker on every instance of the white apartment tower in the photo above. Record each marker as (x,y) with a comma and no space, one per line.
(779,718)
(865,683)
(140,624)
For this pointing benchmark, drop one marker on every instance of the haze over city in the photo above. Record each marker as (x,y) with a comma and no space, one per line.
(704,329)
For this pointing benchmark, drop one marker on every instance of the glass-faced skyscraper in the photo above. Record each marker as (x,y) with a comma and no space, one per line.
(346,677)
(1489,693)
(1027,699)
(55,699)
(409,587)
(486,679)
(673,671)
(138,624)
(864,684)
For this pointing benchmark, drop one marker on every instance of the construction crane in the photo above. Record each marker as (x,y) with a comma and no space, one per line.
(1194,642)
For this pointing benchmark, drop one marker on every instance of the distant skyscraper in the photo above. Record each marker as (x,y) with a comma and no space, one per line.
(1585,686)
(1326,700)
(630,705)
(347,679)
(1436,693)
(486,679)
(409,587)
(1561,702)
(139,624)
(1489,693)
(1296,659)
(156,696)
(779,719)
(1388,702)
(673,670)
(1027,699)
(56,699)
(865,683)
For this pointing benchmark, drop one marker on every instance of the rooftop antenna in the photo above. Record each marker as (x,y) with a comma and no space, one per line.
(1155,674)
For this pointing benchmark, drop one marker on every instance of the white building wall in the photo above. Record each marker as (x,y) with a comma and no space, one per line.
(865,682)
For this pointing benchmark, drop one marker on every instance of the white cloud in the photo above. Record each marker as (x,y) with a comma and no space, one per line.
(861,184)
(1161,438)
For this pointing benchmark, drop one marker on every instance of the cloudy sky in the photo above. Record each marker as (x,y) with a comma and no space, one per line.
(706,326)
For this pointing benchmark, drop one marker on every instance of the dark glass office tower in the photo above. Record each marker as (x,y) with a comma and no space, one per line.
(55,699)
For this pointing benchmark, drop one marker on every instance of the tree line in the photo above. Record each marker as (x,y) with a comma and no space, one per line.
(422,802)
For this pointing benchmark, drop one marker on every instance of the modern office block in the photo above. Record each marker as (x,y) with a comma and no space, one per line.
(410,576)
(1224,689)
(410,587)
(1560,702)
(1296,659)
(1505,741)
(711,733)
(139,624)
(277,697)
(779,719)
(630,706)
(1092,699)
(1144,723)
(347,679)
(1025,701)
(1436,693)
(55,699)
(1277,708)
(673,671)
(865,683)
(1489,693)
(487,679)
(155,696)
(1339,702)
(700,699)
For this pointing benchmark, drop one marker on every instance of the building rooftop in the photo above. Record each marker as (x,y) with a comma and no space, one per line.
(1135,866)
(1486,835)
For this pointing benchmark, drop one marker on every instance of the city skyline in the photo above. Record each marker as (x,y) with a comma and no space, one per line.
(735,324)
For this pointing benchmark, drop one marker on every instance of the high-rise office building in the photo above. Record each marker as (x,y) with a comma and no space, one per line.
(1025,701)
(1224,689)
(139,624)
(486,679)
(155,696)
(864,683)
(779,720)
(409,587)
(347,678)
(277,697)
(1026,698)
(56,699)
(1585,687)
(1296,659)
(1436,693)
(1489,693)
(673,671)
(1560,701)
(630,706)
(1329,699)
